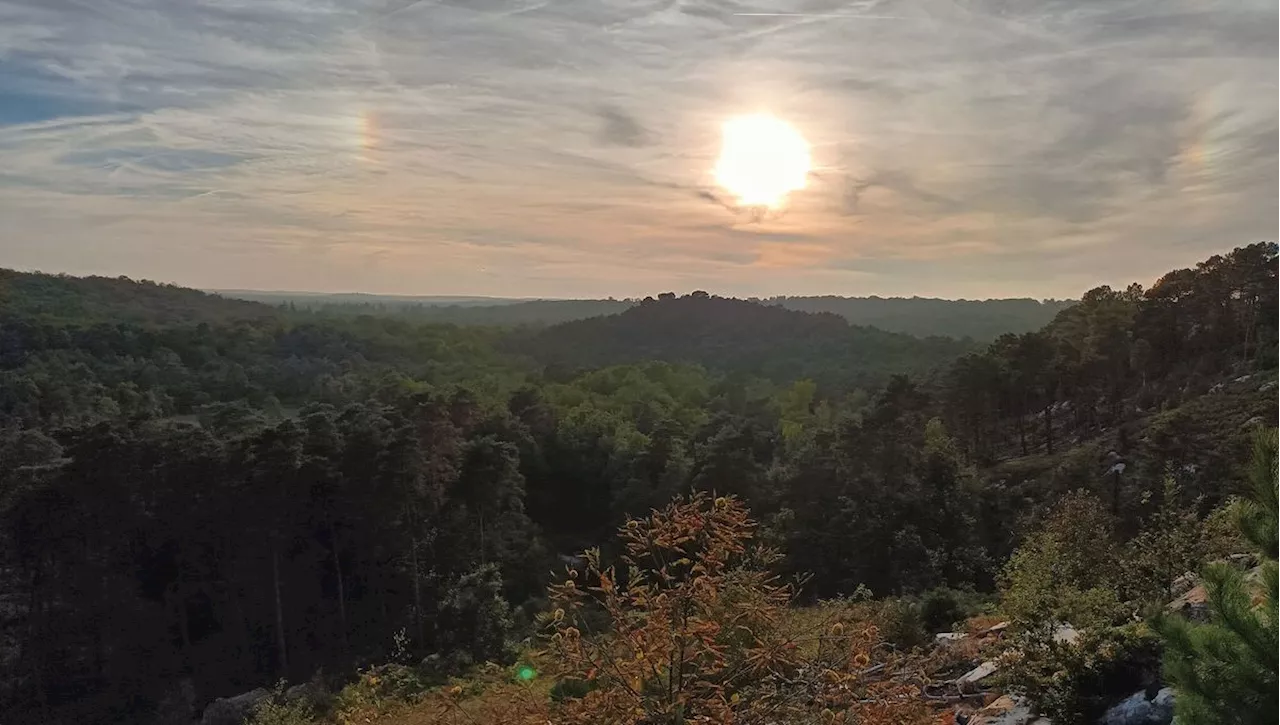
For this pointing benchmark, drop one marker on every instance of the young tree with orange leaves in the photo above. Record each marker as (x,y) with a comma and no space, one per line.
(693,630)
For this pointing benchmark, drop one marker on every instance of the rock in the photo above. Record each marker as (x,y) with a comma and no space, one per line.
(1066,634)
(1243,561)
(1255,420)
(1216,389)
(310,693)
(1007,711)
(1193,605)
(233,710)
(996,629)
(1138,710)
(949,636)
(1243,378)
(1183,584)
(178,706)
(1268,386)
(981,672)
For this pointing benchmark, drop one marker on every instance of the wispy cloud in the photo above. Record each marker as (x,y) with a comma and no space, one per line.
(564,147)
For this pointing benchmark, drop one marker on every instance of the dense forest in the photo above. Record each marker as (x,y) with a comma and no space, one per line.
(982,320)
(206,495)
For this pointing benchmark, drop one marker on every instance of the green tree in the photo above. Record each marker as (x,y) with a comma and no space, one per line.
(1066,570)
(1225,670)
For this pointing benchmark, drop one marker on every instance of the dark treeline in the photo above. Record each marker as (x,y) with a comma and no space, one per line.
(921,317)
(925,317)
(234,501)
(738,336)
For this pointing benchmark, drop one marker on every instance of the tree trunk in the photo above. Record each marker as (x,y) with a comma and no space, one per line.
(1048,428)
(282,651)
(418,622)
(342,589)
(1115,495)
(1022,432)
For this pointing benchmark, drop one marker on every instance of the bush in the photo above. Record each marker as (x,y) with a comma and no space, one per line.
(940,609)
(901,624)
(1074,682)
(280,709)
(474,621)
(570,688)
(380,689)
(1067,570)
(699,634)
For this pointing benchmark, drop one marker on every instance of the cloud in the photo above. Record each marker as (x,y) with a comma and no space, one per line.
(561,148)
(620,129)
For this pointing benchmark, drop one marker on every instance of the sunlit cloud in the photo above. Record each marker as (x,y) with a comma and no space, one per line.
(569,148)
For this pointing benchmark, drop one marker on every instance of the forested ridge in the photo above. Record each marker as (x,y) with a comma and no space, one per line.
(225,494)
(922,317)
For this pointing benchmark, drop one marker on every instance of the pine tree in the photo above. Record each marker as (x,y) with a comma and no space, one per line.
(1225,671)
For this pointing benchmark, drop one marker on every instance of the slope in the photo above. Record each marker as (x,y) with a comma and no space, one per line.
(924,316)
(62,299)
(738,336)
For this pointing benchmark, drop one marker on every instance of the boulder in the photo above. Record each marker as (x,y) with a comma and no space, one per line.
(178,706)
(1138,710)
(1066,634)
(312,694)
(233,710)
(1184,583)
(1193,605)
(1007,710)
(997,628)
(981,672)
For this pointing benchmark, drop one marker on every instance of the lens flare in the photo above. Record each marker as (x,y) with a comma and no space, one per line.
(762,160)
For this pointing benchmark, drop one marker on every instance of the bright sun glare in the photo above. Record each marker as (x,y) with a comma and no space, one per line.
(762,159)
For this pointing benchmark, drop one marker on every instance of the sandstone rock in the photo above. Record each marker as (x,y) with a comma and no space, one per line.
(233,710)
(1138,710)
(981,672)
(1007,710)
(1066,634)
(178,706)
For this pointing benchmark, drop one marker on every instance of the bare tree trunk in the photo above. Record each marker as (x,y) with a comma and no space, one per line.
(281,649)
(1048,428)
(1022,431)
(418,622)
(342,588)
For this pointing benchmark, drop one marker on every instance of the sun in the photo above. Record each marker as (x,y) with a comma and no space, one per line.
(762,160)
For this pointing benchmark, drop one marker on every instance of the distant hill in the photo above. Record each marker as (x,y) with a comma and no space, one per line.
(919,316)
(923,316)
(316,300)
(741,337)
(64,299)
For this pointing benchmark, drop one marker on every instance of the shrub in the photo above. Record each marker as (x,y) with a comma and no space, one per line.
(1074,682)
(698,632)
(379,690)
(279,709)
(1225,670)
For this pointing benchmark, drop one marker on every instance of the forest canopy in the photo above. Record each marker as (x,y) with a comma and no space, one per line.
(228,493)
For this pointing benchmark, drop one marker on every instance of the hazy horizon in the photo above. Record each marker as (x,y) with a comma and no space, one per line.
(354,293)
(541,149)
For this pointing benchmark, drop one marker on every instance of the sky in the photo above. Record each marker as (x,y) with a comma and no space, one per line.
(566,148)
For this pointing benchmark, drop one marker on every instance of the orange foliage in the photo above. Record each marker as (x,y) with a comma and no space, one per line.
(690,628)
